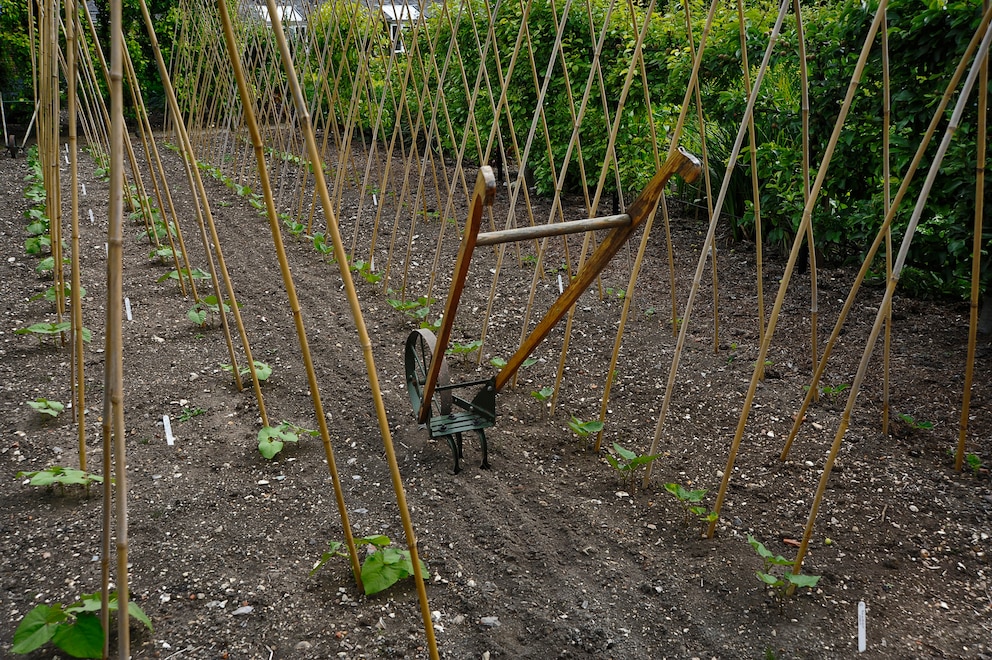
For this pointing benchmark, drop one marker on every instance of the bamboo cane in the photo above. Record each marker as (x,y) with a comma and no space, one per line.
(113,414)
(887,200)
(356,312)
(980,61)
(803,225)
(76,305)
(704,253)
(635,271)
(249,113)
(810,243)
(976,257)
(755,190)
(907,178)
(704,153)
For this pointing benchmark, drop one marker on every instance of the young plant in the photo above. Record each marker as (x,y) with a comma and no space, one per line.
(584,429)
(196,274)
(51,329)
(47,406)
(49,294)
(690,499)
(188,413)
(464,349)
(382,568)
(834,390)
(974,462)
(543,394)
(271,439)
(60,476)
(364,268)
(262,370)
(207,305)
(75,629)
(626,461)
(780,585)
(912,423)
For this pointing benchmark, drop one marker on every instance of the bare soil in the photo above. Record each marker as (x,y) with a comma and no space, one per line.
(549,553)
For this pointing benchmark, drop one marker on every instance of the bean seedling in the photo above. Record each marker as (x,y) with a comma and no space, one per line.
(61,476)
(543,394)
(76,628)
(690,499)
(189,413)
(780,585)
(464,349)
(195,274)
(43,329)
(47,406)
(382,568)
(974,462)
(271,439)
(262,370)
(626,461)
(915,424)
(584,429)
(208,304)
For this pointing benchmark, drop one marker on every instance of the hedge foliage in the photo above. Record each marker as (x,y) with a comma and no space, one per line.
(926,41)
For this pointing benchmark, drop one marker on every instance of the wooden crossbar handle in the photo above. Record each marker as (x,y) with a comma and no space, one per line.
(554,229)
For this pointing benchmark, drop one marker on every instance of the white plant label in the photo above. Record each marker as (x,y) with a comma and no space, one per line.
(67,159)
(92,219)
(127,308)
(169,439)
(375,200)
(83,186)
(862,637)
(561,287)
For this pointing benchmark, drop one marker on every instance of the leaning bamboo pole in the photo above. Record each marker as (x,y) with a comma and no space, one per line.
(248,104)
(981,60)
(707,183)
(356,312)
(711,233)
(793,255)
(113,409)
(976,258)
(907,178)
(635,270)
(755,189)
(887,201)
(814,311)
(206,220)
(75,299)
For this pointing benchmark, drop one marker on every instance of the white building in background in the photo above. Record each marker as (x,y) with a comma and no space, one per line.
(399,18)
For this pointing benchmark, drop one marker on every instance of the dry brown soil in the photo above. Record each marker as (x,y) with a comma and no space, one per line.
(548,554)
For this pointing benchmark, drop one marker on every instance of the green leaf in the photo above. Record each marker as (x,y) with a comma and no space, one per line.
(803,580)
(626,454)
(498,362)
(386,567)
(82,639)
(268,443)
(196,315)
(770,580)
(38,627)
(762,551)
(614,464)
(137,613)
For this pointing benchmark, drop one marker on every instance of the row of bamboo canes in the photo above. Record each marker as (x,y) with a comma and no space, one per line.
(334,155)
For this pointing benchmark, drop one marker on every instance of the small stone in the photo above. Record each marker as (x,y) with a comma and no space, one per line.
(490,622)
(242,611)
(914,508)
(459,619)
(302,646)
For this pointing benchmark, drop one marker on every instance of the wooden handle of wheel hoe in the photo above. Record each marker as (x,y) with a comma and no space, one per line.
(482,196)
(682,163)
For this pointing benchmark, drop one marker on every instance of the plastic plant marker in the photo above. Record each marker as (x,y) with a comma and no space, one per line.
(169,438)
(92,219)
(83,186)
(127,308)
(561,286)
(862,628)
